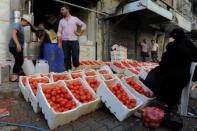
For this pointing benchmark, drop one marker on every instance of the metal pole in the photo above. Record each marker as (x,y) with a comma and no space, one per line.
(81,7)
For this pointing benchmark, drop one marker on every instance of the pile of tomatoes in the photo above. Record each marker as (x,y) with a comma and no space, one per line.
(138,88)
(60,77)
(80,92)
(108,77)
(34,83)
(103,72)
(125,64)
(120,93)
(117,64)
(134,71)
(94,83)
(76,75)
(59,98)
(90,73)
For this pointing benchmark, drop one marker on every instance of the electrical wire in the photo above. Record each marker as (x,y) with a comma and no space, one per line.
(21,125)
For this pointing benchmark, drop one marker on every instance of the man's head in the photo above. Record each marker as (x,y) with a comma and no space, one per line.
(65,10)
(26,20)
(176,34)
(41,26)
(144,40)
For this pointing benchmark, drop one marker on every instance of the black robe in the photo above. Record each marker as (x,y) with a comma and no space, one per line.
(173,73)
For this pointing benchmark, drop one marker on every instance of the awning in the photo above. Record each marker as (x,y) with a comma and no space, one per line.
(142,5)
(178,22)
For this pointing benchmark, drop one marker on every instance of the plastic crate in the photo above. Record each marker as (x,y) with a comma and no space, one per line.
(23,88)
(112,102)
(55,119)
(142,97)
(32,98)
(59,74)
(90,106)
(129,73)
(143,74)
(108,77)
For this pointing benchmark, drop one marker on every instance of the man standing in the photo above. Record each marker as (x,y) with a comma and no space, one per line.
(67,37)
(144,50)
(154,50)
(42,36)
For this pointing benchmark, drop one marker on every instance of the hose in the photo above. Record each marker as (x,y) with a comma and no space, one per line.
(21,125)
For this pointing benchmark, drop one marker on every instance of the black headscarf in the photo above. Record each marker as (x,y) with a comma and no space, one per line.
(178,34)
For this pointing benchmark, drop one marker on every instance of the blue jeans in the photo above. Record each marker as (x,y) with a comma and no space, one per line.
(71,48)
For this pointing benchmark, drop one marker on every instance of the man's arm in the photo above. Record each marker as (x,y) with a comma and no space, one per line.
(82,25)
(59,35)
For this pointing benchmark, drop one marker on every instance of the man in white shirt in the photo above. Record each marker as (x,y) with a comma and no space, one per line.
(154,50)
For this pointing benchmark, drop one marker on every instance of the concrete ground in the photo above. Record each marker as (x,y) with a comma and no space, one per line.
(101,120)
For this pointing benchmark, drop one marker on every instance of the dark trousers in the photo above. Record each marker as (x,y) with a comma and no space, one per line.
(71,48)
(154,55)
(18,56)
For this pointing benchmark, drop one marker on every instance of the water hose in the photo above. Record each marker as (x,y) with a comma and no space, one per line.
(21,125)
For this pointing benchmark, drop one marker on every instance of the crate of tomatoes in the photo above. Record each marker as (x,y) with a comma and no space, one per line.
(93,81)
(118,67)
(90,72)
(118,99)
(59,76)
(84,94)
(58,104)
(22,85)
(104,72)
(76,75)
(109,77)
(32,86)
(138,89)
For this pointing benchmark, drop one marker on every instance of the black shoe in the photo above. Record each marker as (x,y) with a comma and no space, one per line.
(173,122)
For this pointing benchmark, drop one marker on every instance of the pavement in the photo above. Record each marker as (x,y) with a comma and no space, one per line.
(101,120)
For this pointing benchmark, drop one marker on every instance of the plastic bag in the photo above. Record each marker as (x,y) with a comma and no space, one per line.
(152,117)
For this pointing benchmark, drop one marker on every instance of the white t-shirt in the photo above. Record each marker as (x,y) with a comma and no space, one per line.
(155,47)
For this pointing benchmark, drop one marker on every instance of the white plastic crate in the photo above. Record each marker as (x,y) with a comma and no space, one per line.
(129,73)
(113,103)
(143,74)
(108,72)
(106,77)
(55,119)
(90,106)
(32,98)
(106,67)
(23,88)
(46,75)
(81,72)
(142,97)
(59,74)
(90,70)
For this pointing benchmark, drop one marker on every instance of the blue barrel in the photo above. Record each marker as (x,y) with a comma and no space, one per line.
(55,57)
